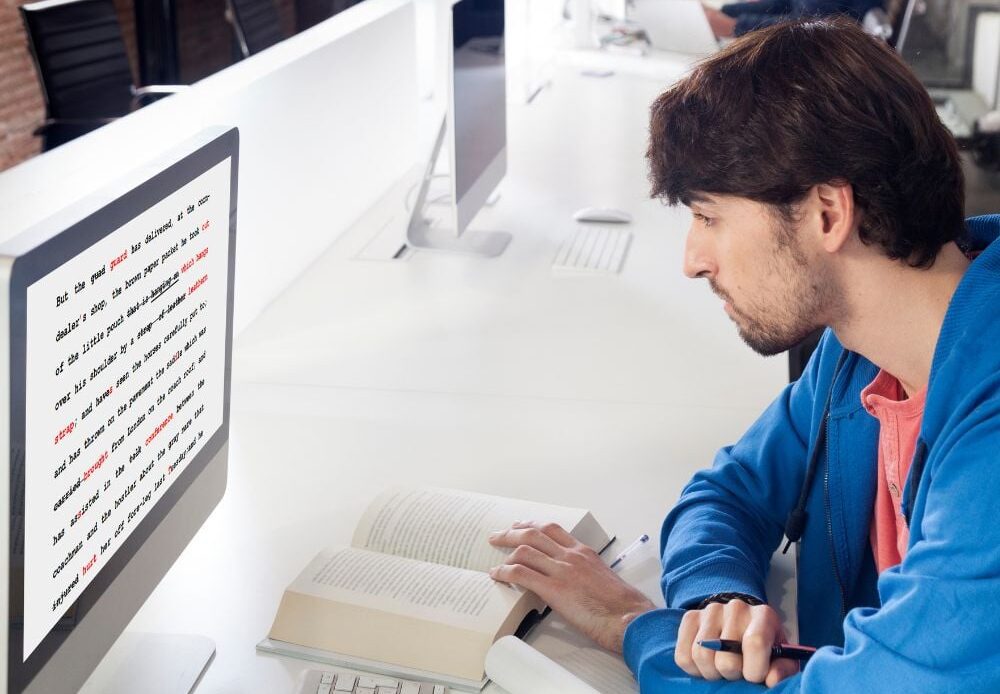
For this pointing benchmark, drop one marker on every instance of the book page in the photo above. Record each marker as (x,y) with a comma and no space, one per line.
(400,612)
(449,527)
(517,667)
(600,669)
(462,598)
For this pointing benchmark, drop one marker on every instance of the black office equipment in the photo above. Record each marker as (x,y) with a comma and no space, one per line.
(309,13)
(255,23)
(86,80)
(900,13)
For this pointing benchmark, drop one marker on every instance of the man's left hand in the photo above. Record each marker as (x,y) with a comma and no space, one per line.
(571,578)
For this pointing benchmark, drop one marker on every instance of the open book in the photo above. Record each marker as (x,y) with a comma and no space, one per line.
(411,595)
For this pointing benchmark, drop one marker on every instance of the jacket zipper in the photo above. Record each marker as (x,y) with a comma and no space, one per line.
(829,523)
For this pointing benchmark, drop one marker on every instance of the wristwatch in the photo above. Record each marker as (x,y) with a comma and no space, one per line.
(726,597)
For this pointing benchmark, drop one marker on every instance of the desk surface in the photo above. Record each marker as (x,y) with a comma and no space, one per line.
(489,375)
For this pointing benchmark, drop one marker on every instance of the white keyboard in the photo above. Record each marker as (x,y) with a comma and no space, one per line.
(339,681)
(593,249)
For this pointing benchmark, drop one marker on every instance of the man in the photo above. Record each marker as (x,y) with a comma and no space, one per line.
(825,192)
(738,18)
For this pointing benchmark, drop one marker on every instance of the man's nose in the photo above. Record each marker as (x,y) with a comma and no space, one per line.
(699,257)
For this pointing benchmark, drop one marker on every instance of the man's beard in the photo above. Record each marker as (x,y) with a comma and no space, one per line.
(809,295)
(770,338)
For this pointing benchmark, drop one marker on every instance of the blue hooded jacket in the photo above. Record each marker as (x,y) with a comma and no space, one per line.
(930,624)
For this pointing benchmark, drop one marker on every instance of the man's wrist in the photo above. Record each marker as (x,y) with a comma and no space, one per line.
(723,598)
(627,619)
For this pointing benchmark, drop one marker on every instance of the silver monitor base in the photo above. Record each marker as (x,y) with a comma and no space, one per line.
(152,664)
(422,234)
(485,243)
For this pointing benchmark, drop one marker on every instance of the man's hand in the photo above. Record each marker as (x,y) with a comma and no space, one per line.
(571,578)
(758,628)
(722,24)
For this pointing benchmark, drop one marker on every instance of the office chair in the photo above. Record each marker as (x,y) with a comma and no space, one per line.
(309,14)
(80,57)
(255,23)
(798,356)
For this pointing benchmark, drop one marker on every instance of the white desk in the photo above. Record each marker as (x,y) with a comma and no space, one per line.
(488,375)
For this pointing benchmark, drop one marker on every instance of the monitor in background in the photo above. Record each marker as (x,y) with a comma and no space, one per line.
(678,26)
(475,127)
(116,323)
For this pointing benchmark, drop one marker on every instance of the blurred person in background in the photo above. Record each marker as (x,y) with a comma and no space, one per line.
(738,18)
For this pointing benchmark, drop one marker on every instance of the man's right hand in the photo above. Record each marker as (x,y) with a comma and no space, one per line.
(758,628)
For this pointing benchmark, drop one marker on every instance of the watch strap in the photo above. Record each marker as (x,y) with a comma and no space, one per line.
(728,597)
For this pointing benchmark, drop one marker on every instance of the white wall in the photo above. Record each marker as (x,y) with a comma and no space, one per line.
(327,119)
(986,57)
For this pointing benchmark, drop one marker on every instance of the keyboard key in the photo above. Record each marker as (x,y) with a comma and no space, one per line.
(364,690)
(382,689)
(410,688)
(323,689)
(367,682)
(438,689)
(345,683)
(327,678)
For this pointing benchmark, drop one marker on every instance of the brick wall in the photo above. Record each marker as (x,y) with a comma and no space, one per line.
(22,108)
(21,105)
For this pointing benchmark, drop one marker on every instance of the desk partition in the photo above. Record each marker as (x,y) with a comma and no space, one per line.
(328,121)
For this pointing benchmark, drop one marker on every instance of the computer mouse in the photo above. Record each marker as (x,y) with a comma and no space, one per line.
(602,214)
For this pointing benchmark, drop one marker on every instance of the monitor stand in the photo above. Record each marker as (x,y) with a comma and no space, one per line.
(151,664)
(421,234)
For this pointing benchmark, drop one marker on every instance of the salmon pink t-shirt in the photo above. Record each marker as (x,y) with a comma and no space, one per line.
(899,420)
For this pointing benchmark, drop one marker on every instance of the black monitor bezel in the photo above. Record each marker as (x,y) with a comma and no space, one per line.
(35,264)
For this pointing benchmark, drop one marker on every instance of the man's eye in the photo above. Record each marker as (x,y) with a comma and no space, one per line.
(707,221)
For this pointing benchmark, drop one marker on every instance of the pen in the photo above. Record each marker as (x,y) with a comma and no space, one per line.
(638,543)
(781,650)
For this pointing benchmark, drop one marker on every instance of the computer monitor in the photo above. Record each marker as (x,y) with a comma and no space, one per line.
(116,321)
(475,128)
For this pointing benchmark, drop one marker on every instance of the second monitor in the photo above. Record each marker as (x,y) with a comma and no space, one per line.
(475,128)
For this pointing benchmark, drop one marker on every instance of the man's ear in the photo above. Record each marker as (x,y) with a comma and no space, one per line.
(834,204)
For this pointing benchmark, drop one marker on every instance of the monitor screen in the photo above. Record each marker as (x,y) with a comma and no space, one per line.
(479,102)
(121,334)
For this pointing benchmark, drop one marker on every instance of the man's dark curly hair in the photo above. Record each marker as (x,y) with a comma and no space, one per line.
(804,103)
